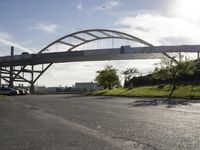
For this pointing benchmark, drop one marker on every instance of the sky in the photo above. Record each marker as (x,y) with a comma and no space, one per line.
(29,25)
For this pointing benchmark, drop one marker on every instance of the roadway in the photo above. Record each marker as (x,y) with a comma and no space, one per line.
(74,122)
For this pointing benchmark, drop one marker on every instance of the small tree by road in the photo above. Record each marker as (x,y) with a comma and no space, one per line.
(169,70)
(108,77)
(129,73)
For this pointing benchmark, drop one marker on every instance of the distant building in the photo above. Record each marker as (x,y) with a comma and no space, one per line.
(55,89)
(86,86)
(40,89)
(43,89)
(52,89)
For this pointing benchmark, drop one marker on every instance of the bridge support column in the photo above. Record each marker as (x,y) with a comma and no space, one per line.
(11,69)
(0,77)
(32,88)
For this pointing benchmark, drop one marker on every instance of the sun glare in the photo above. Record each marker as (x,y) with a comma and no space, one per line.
(189,9)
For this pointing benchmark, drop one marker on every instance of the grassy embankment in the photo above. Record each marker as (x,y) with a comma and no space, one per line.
(182,91)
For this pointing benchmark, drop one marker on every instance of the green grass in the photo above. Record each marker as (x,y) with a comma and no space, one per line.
(182,91)
(2,96)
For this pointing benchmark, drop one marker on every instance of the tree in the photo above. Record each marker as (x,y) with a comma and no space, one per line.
(169,70)
(129,73)
(108,77)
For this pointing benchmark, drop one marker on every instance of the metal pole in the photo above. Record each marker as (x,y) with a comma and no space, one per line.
(197,55)
(11,68)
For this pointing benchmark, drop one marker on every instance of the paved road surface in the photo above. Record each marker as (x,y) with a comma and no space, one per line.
(73,122)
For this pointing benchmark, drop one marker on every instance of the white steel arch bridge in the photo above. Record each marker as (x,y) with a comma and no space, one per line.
(13,68)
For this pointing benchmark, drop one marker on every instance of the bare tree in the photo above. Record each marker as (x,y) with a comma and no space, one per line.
(129,73)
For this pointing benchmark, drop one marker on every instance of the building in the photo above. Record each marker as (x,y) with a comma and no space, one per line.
(86,86)
(40,89)
(43,89)
(55,89)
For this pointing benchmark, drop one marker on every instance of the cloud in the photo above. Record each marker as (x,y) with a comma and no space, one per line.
(158,29)
(4,35)
(111,4)
(47,28)
(80,5)
(107,6)
(5,39)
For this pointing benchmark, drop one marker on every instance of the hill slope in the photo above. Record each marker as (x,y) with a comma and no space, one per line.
(182,91)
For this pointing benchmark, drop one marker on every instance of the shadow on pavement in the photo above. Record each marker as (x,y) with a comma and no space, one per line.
(73,96)
(104,97)
(156,102)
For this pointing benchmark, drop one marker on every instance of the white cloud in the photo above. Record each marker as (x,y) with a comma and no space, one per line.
(47,28)
(111,4)
(188,10)
(158,29)
(80,5)
(107,6)
(5,39)
(4,35)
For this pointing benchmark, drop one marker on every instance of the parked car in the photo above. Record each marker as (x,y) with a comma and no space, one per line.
(21,91)
(8,91)
(27,91)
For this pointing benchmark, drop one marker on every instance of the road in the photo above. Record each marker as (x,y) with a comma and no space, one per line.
(74,122)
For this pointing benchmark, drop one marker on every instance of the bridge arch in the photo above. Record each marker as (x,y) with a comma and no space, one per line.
(92,35)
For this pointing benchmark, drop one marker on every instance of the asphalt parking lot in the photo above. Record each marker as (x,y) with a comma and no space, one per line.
(75,122)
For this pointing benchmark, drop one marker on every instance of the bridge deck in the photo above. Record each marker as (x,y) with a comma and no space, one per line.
(123,53)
